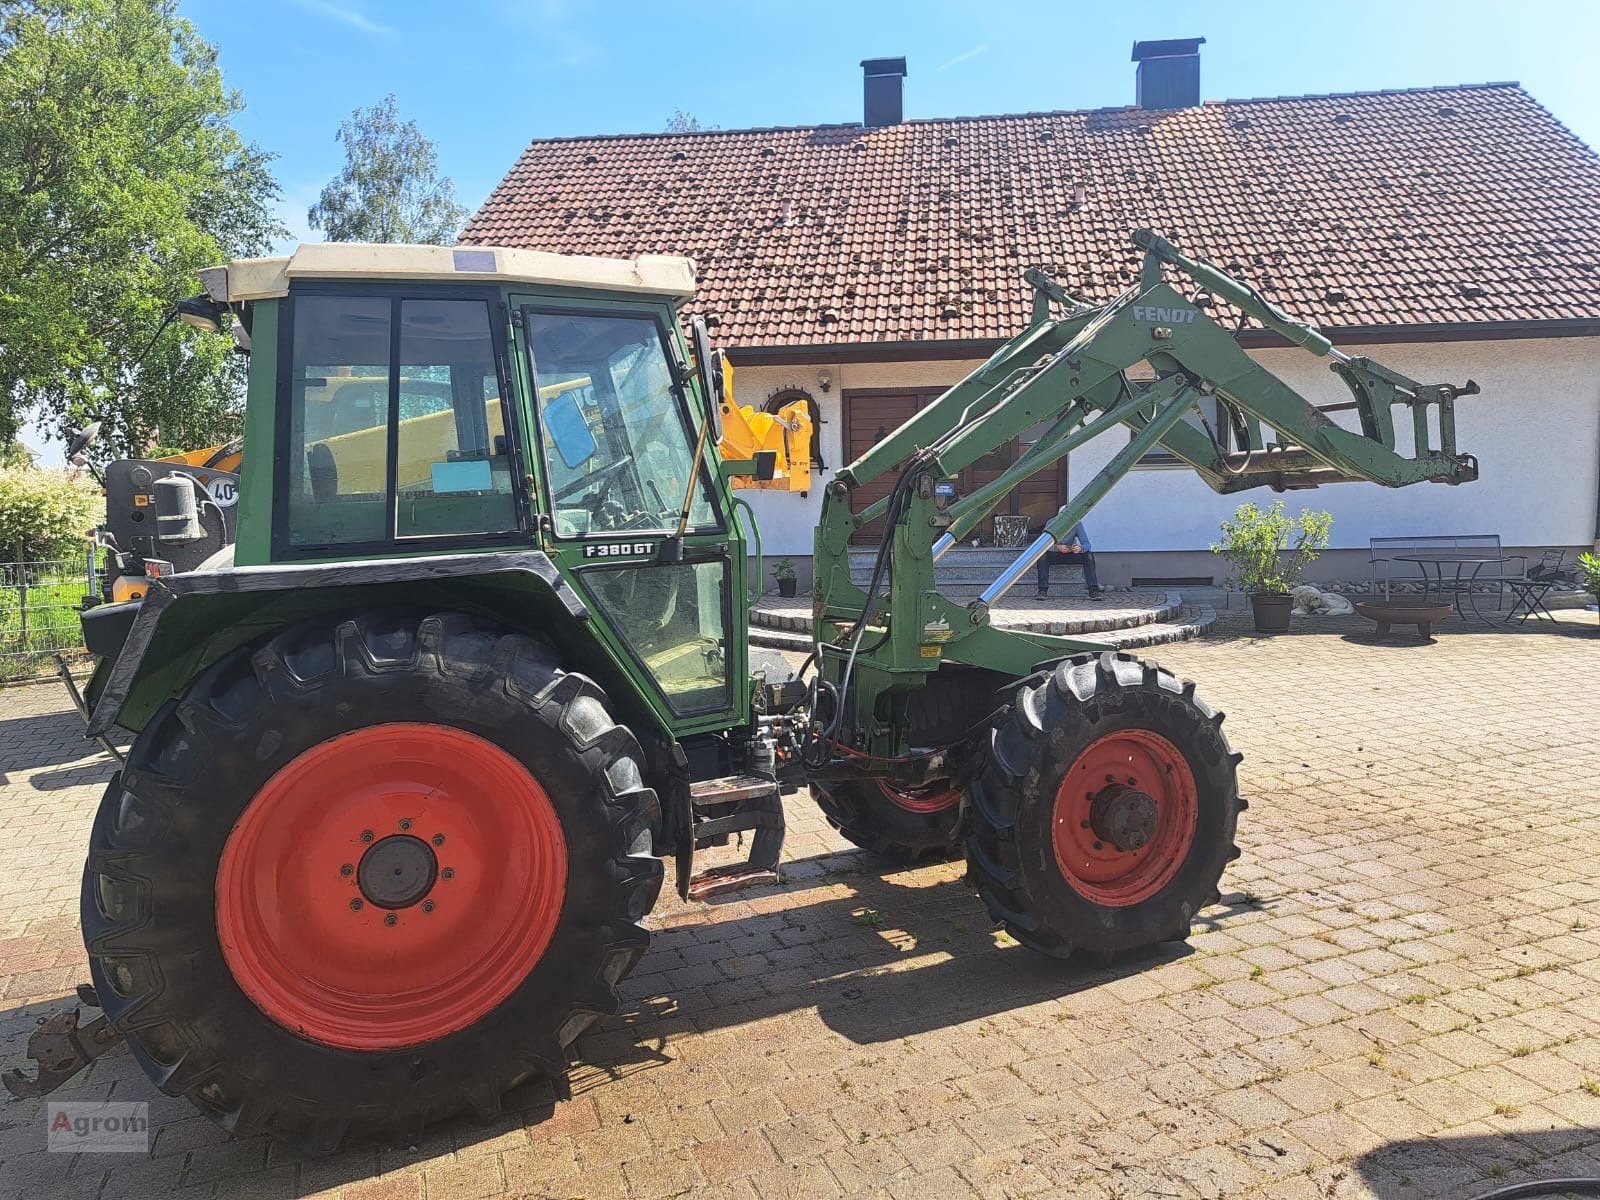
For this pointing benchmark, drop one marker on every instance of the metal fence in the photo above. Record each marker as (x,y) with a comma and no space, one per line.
(39,604)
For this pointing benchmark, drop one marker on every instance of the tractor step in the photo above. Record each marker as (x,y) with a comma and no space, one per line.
(61,1047)
(736,804)
(730,787)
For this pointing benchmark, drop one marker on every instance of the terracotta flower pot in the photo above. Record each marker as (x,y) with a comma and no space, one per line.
(1271,611)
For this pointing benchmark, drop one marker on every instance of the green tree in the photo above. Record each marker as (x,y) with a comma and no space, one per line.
(390,189)
(44,514)
(120,176)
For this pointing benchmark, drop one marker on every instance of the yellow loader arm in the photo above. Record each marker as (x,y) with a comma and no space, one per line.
(786,434)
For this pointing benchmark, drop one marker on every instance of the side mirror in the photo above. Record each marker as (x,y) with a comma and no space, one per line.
(708,363)
(82,440)
(569,431)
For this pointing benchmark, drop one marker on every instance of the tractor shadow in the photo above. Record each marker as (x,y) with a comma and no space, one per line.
(1454,1167)
(880,953)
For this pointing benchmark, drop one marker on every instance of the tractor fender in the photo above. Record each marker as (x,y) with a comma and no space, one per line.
(189,620)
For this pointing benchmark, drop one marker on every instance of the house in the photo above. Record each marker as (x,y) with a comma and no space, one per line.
(1451,232)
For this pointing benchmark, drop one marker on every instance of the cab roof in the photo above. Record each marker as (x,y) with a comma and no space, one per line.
(262,278)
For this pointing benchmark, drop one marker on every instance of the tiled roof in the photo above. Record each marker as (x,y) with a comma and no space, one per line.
(1439,205)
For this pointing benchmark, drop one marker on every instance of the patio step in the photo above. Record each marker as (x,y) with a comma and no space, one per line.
(973,567)
(1149,628)
(1124,619)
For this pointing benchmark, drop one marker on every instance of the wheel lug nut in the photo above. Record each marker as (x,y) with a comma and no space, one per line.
(391,919)
(1111,779)
(427,906)
(405,824)
(1099,846)
(438,839)
(347,869)
(448,873)
(1132,782)
(355,906)
(366,835)
(1083,824)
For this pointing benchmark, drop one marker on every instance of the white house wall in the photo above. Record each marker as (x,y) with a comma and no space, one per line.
(1535,429)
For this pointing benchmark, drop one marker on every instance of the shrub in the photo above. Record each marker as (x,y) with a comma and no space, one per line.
(1256,539)
(1589,574)
(44,514)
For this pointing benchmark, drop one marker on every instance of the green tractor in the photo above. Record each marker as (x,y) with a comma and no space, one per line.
(422,697)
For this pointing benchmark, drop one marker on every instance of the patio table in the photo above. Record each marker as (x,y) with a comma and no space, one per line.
(1460,583)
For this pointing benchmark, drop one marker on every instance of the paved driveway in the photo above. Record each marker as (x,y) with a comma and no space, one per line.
(1397,996)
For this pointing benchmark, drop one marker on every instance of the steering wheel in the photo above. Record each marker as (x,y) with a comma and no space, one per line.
(603,475)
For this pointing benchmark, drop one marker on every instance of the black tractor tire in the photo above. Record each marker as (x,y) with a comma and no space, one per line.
(951,706)
(877,821)
(150,893)
(1011,853)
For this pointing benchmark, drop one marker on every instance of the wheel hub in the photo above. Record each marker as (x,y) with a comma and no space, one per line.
(1123,816)
(397,872)
(390,886)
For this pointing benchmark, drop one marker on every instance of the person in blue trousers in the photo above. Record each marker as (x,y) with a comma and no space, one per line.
(1075,550)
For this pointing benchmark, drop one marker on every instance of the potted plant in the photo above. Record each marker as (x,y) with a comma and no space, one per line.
(1589,575)
(1269,552)
(783,571)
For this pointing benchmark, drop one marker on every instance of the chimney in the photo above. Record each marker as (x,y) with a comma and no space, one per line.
(882,81)
(1169,73)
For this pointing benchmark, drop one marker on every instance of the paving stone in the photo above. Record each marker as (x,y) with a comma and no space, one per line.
(1396,987)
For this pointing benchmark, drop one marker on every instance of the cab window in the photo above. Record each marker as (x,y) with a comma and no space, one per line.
(617,443)
(394,437)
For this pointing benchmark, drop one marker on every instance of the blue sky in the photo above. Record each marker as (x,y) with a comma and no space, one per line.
(483,77)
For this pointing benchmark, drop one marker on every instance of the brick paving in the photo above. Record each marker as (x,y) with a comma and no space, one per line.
(1395,998)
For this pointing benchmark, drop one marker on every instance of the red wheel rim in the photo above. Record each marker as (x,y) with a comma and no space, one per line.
(390,886)
(1135,760)
(921,800)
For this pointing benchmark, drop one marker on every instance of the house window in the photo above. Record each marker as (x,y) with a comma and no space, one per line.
(789,396)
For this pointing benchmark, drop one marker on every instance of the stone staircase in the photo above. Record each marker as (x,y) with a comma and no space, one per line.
(1124,619)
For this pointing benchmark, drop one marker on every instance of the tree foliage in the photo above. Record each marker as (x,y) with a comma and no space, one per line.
(44,514)
(390,189)
(120,176)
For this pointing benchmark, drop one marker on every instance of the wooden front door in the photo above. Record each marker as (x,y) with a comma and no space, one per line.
(872,414)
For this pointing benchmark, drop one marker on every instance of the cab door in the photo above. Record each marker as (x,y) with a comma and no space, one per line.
(616,439)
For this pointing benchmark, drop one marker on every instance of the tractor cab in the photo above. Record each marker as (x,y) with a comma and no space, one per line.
(410,402)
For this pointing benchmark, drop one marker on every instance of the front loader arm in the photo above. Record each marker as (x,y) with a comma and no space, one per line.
(1072,372)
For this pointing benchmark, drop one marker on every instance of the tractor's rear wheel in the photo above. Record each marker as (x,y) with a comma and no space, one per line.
(369,874)
(1105,809)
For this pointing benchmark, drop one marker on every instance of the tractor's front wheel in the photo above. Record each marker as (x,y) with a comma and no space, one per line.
(1105,809)
(368,875)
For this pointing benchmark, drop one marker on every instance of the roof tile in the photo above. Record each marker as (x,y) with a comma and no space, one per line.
(1426,205)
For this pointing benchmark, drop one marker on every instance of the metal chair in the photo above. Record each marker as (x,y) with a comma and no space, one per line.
(1528,593)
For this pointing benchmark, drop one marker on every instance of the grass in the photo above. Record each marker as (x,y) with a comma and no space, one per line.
(1506,1110)
(1592,1086)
